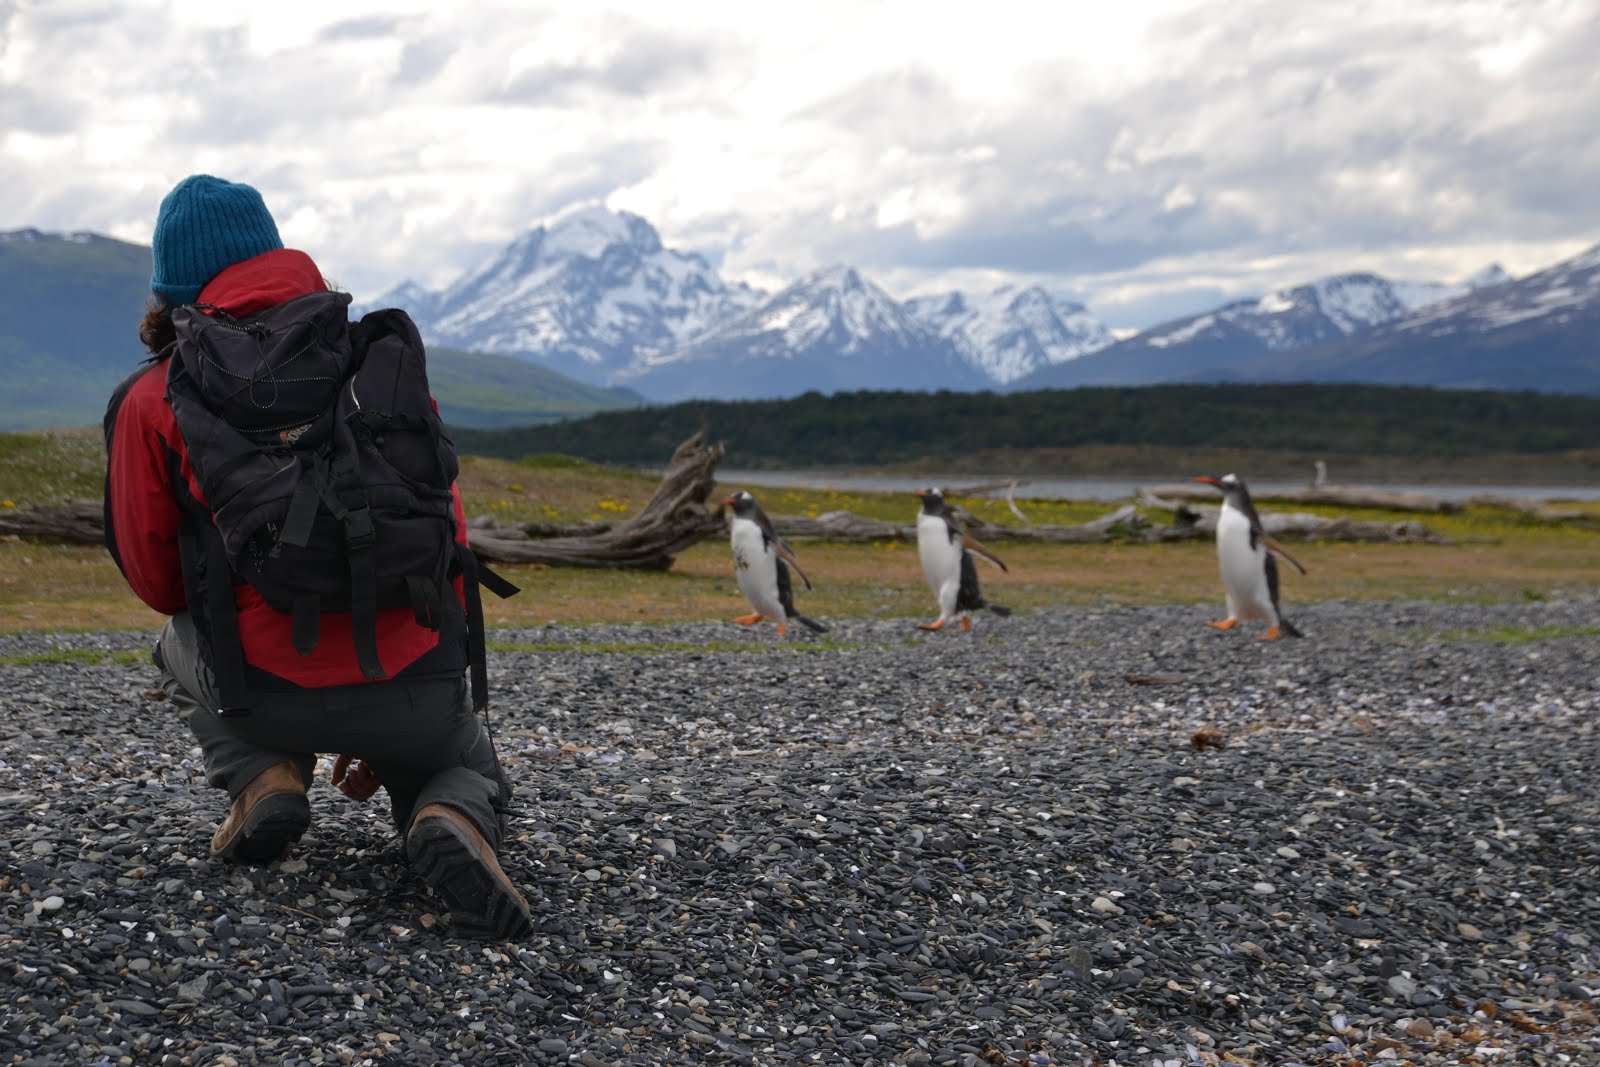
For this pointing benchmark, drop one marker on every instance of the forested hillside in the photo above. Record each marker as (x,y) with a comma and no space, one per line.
(878,428)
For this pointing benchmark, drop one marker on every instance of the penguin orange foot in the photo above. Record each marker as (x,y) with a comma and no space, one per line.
(939,625)
(748,620)
(1270,635)
(966,624)
(1223,624)
(783,628)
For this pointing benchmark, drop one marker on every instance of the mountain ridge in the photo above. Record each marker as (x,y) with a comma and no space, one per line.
(1190,348)
(832,326)
(1013,338)
(1542,328)
(596,297)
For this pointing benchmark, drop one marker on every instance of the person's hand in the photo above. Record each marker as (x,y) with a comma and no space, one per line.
(355,779)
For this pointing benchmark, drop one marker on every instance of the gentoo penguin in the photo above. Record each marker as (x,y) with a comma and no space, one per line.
(1244,554)
(761,562)
(946,555)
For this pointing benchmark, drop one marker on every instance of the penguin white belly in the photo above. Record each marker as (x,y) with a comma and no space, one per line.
(941,560)
(755,567)
(1244,571)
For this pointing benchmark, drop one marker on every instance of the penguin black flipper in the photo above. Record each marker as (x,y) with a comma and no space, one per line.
(786,598)
(785,555)
(779,547)
(974,545)
(1273,546)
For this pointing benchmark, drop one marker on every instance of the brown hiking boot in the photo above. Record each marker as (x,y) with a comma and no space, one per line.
(265,818)
(450,854)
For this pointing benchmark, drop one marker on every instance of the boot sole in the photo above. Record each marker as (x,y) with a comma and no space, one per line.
(277,822)
(481,904)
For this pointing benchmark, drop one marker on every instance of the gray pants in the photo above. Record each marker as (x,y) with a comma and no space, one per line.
(421,737)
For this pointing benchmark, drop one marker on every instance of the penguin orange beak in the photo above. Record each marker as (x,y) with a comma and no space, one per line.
(727,499)
(1209,480)
(919,492)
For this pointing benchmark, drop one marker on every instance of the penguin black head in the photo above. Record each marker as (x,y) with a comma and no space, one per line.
(741,502)
(932,500)
(1232,485)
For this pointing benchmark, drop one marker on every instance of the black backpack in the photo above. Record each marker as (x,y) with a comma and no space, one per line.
(326,474)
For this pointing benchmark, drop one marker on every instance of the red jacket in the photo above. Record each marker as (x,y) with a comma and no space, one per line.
(144,515)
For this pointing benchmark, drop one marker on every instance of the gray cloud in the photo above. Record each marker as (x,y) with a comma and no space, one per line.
(1263,139)
(1236,146)
(645,61)
(370,27)
(421,60)
(910,106)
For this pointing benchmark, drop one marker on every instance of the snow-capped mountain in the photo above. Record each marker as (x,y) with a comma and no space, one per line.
(588,295)
(1540,332)
(830,331)
(1333,307)
(1195,348)
(595,295)
(1012,332)
(418,302)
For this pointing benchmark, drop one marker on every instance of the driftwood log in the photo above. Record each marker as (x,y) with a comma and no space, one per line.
(1362,496)
(77,522)
(676,518)
(1124,523)
(1200,520)
(848,526)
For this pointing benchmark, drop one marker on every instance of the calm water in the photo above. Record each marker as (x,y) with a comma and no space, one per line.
(1102,489)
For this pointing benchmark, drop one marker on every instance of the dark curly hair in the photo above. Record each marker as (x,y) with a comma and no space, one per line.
(156,331)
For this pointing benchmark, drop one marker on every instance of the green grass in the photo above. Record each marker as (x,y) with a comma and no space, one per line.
(50,468)
(901,508)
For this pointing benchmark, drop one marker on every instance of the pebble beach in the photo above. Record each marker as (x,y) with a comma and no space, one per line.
(1100,836)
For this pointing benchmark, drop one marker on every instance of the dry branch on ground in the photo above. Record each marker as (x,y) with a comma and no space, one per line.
(1363,496)
(77,522)
(675,518)
(1124,523)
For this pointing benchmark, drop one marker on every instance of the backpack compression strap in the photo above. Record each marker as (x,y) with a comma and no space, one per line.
(349,506)
(475,574)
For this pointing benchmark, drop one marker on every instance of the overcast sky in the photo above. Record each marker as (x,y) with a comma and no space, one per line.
(1150,157)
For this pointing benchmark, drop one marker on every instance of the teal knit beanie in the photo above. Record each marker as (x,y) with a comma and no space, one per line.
(206,225)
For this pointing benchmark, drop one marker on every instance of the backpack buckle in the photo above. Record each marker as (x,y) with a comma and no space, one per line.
(358,529)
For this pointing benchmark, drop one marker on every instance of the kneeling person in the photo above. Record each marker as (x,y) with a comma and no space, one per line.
(243,482)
